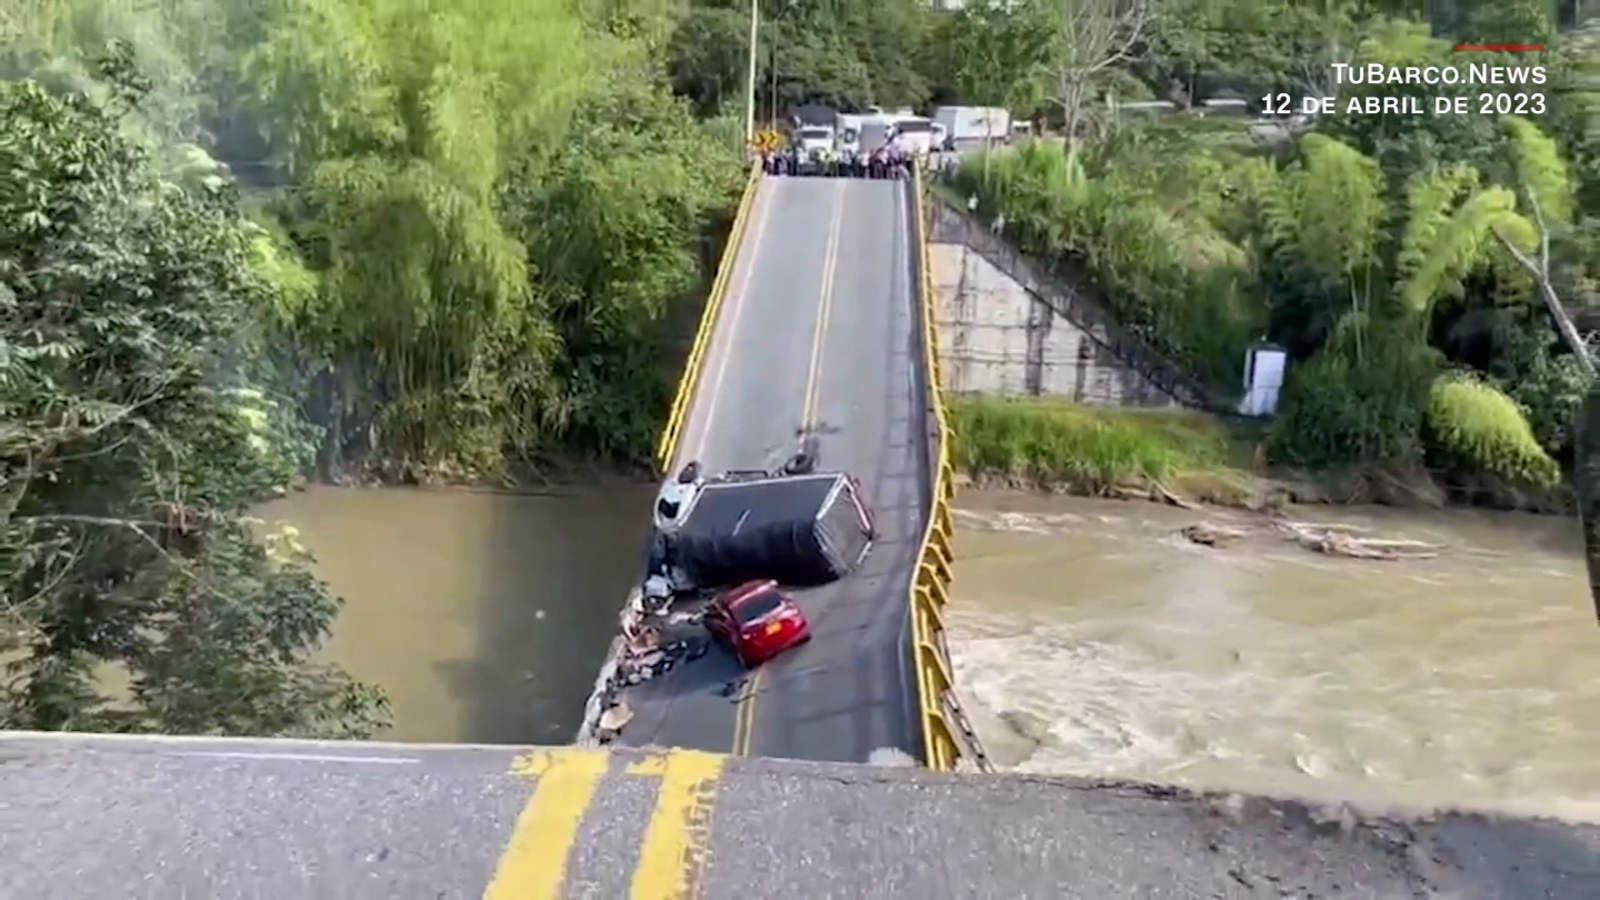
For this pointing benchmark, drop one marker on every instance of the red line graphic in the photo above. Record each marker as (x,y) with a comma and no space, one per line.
(1500,48)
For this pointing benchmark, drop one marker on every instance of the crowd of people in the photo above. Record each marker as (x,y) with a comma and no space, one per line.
(887,161)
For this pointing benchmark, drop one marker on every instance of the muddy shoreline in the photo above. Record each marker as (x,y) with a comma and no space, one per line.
(1263,493)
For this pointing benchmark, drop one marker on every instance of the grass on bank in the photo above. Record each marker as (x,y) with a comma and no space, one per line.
(1060,445)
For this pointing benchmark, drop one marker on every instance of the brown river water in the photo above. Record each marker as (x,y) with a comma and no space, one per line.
(1088,637)
(483,615)
(1118,648)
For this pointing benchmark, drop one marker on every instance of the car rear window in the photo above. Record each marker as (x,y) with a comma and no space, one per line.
(815,134)
(912,126)
(755,606)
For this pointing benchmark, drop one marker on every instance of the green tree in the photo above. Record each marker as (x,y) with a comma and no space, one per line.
(1151,241)
(132,443)
(997,51)
(1367,304)
(1090,41)
(849,55)
(1198,48)
(412,137)
(1541,177)
(611,219)
(1404,143)
(396,121)
(707,59)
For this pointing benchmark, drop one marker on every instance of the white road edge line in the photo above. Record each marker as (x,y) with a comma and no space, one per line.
(304,757)
(723,345)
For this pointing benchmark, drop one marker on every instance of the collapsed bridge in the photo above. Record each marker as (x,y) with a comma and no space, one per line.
(819,326)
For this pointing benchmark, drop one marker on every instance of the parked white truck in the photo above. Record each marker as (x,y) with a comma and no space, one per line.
(969,126)
(914,135)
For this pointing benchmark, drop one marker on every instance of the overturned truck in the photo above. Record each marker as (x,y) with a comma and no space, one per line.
(799,530)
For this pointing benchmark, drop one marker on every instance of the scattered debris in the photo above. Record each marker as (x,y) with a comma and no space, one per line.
(612,722)
(1155,492)
(891,757)
(1337,542)
(645,652)
(1160,492)
(686,617)
(662,625)
(641,639)
(1211,534)
(1331,539)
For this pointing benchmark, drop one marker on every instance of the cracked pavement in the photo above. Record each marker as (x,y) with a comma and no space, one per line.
(117,818)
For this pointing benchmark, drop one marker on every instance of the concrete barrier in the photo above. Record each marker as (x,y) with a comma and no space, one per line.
(947,735)
(667,447)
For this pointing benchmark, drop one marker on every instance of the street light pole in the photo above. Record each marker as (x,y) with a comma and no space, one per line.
(750,98)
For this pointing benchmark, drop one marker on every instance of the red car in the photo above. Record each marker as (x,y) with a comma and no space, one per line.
(757,622)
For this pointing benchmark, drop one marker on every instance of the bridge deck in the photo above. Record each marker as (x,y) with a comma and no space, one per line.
(108,818)
(819,328)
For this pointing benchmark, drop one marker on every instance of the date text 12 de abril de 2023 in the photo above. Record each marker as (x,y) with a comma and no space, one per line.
(1486,90)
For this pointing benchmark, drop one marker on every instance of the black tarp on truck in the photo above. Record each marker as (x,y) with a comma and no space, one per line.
(799,530)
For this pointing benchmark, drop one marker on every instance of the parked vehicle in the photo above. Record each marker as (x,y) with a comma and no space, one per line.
(914,136)
(757,621)
(967,126)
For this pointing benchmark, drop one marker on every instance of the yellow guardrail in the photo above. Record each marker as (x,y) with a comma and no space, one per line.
(667,447)
(947,736)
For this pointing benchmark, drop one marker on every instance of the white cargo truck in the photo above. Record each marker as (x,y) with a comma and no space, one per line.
(913,135)
(973,126)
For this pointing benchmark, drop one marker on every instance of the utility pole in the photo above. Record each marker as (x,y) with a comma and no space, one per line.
(750,99)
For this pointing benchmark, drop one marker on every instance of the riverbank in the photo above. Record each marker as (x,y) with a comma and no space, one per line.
(555,472)
(1182,456)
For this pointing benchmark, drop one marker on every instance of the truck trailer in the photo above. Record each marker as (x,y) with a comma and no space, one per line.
(799,530)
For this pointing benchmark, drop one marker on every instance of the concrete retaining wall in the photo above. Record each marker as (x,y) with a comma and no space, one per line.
(1012,327)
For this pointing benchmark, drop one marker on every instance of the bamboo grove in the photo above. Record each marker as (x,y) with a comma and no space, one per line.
(244,242)
(239,239)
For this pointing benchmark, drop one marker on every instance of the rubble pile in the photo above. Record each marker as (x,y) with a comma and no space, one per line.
(792,525)
(658,635)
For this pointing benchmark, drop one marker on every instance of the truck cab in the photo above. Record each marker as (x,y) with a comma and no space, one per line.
(814,141)
(815,138)
(914,136)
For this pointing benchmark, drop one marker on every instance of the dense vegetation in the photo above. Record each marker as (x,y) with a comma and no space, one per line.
(407,237)
(1396,258)
(1039,441)
(240,241)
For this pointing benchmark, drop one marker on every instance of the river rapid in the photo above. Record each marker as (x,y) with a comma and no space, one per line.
(1093,639)
(1089,637)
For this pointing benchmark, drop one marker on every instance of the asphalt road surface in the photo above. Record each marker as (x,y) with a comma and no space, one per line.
(818,333)
(109,818)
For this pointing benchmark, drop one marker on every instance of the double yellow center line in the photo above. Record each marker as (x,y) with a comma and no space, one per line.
(830,265)
(744,717)
(672,853)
